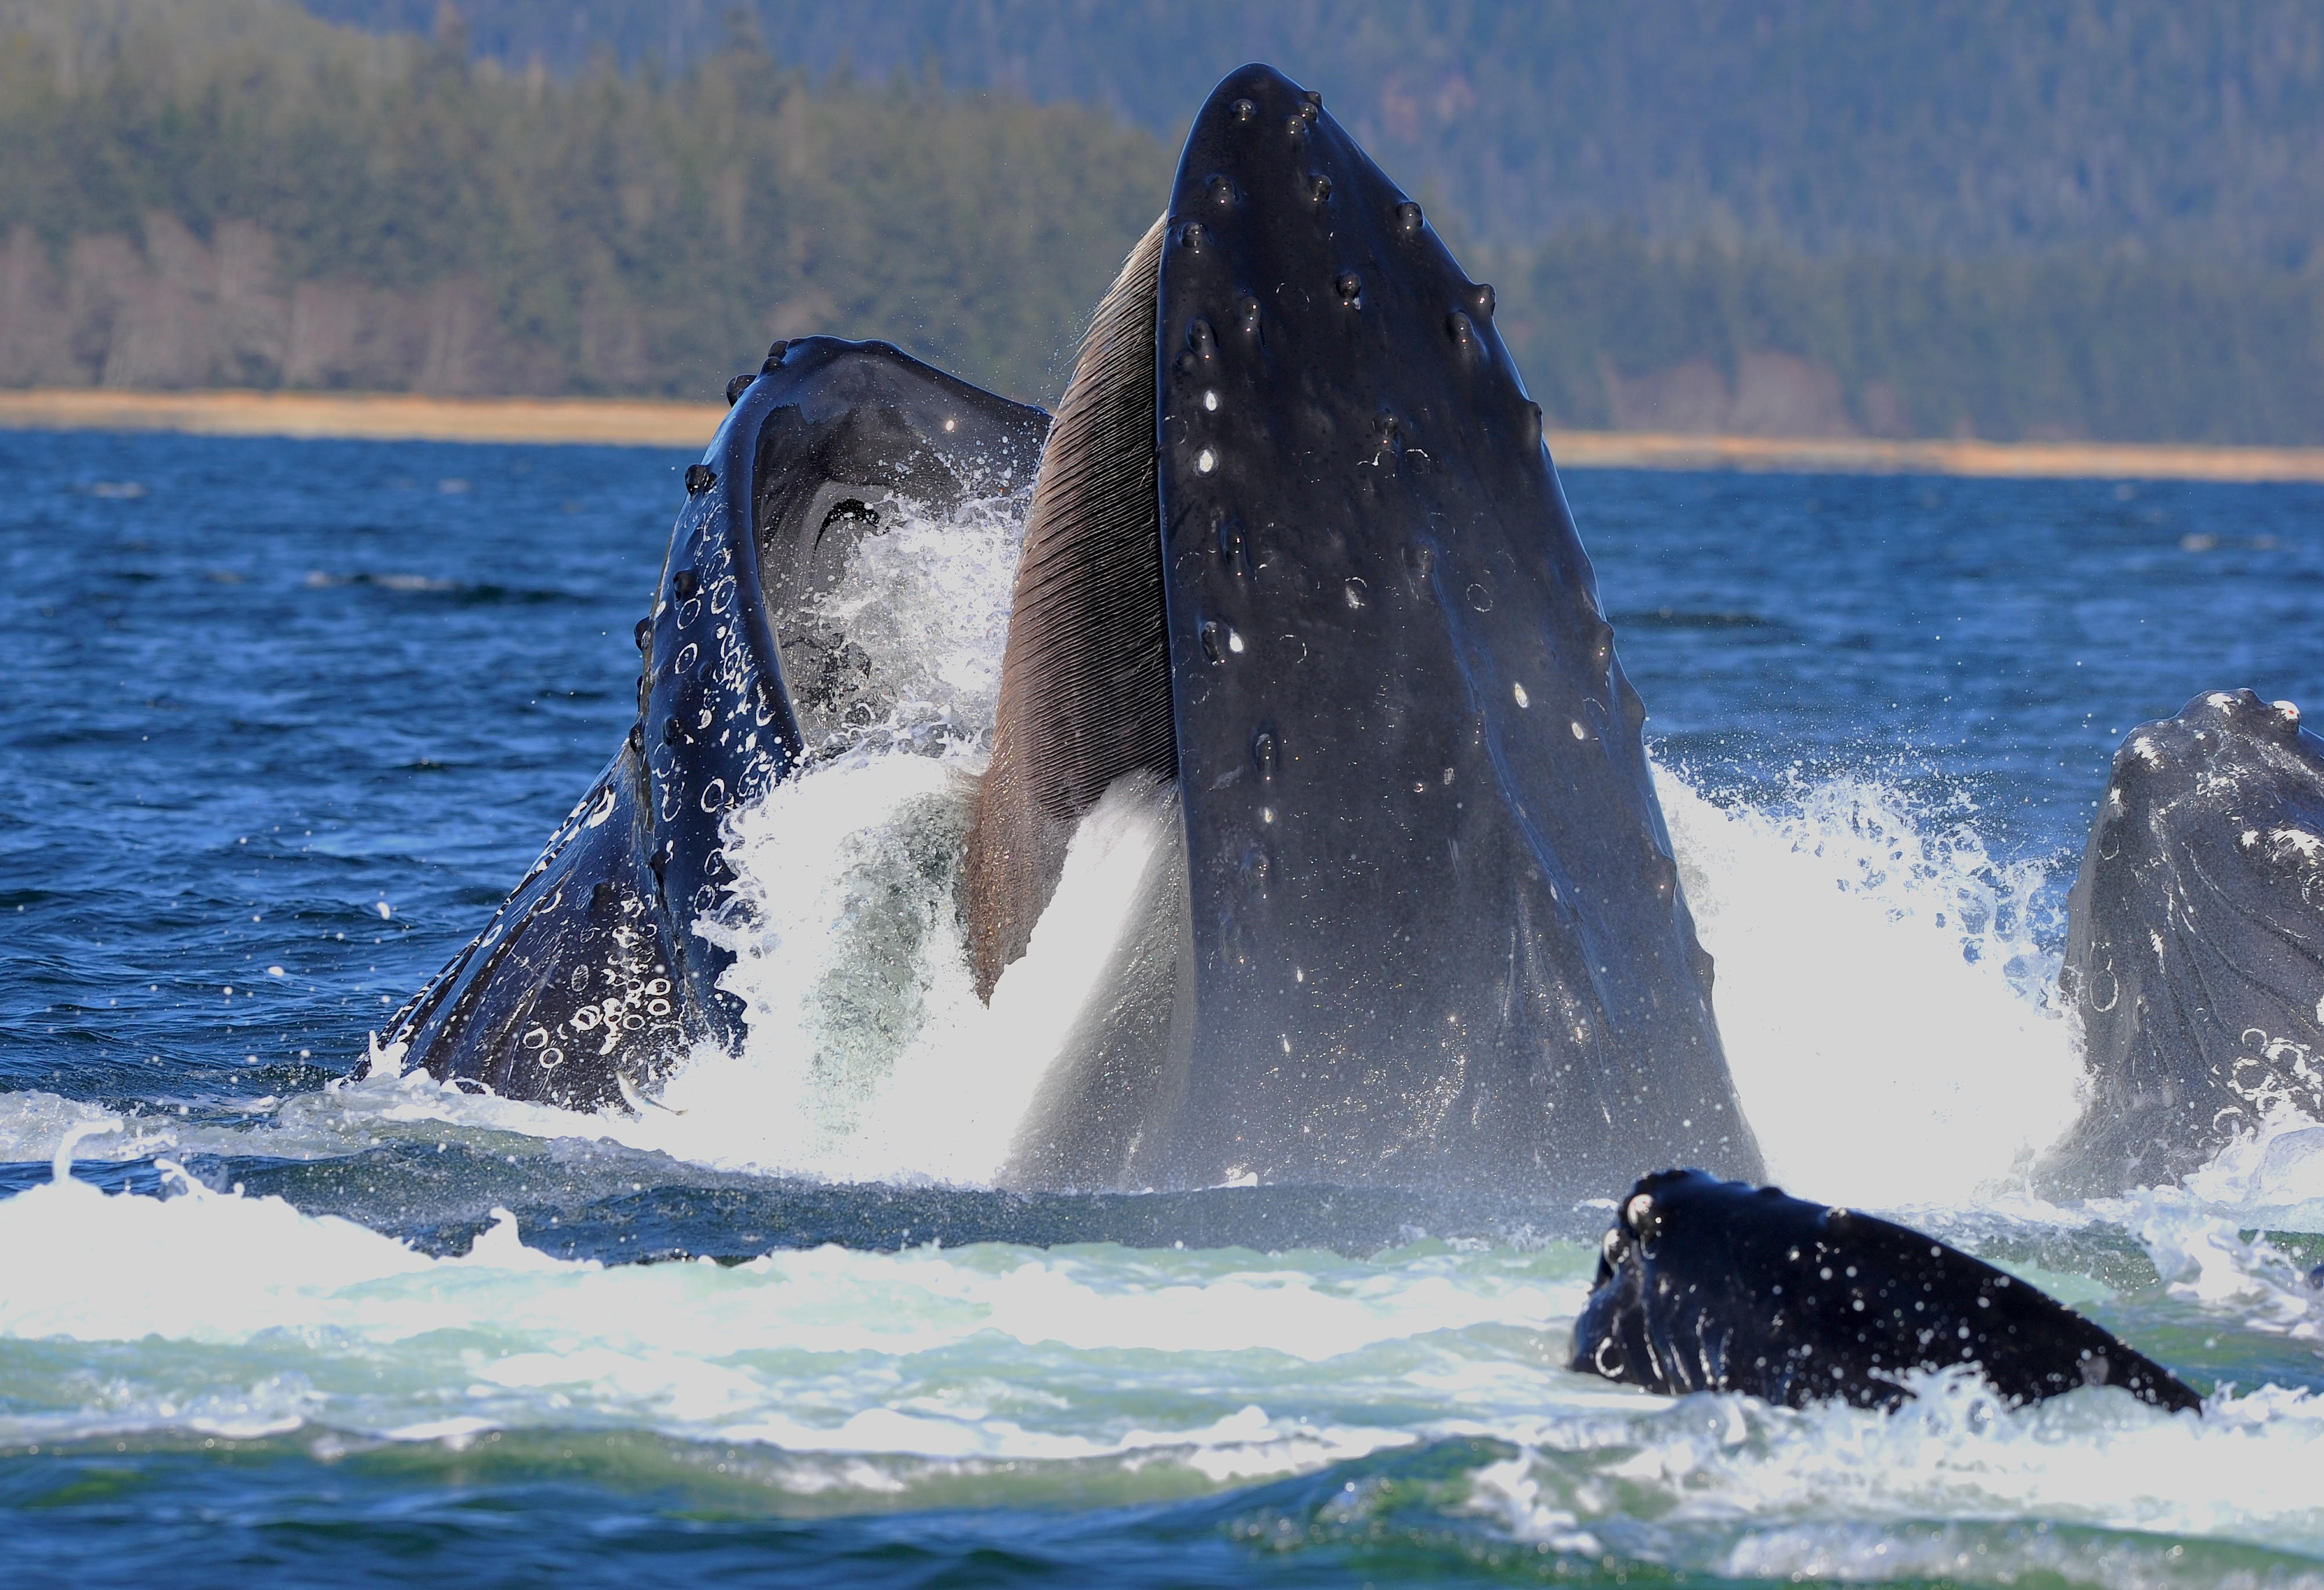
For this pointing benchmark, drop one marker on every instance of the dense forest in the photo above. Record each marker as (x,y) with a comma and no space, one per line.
(228,192)
(1918,126)
(1932,217)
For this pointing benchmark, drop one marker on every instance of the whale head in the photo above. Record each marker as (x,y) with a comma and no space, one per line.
(1298,555)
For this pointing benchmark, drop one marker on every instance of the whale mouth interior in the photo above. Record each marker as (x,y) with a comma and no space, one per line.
(847,552)
(830,678)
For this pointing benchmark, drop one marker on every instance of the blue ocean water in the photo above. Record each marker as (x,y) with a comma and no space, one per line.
(292,716)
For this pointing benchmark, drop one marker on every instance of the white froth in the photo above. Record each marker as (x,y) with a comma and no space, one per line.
(1877,991)
(1735,1488)
(283,1319)
(927,599)
(867,1055)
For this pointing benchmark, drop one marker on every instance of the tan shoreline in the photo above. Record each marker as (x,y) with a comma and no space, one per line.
(622,422)
(2146,461)
(373,417)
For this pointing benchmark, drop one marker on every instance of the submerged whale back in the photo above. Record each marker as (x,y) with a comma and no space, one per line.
(1705,1285)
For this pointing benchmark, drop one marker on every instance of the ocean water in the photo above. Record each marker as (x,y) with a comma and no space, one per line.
(290,717)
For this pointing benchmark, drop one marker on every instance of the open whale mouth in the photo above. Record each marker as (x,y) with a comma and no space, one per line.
(1297,564)
(594,977)
(844,444)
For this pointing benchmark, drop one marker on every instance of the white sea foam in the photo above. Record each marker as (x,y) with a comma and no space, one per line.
(282,1319)
(1737,1489)
(869,1055)
(36,1125)
(239,1317)
(927,600)
(1878,990)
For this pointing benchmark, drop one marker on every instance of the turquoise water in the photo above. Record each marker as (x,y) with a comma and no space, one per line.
(294,715)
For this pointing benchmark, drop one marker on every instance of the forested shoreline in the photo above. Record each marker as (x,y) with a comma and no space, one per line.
(232,192)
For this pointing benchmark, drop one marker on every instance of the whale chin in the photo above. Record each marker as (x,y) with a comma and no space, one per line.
(1299,575)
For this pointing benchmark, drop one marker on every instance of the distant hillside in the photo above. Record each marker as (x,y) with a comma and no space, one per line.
(1913,126)
(1613,331)
(233,192)
(199,192)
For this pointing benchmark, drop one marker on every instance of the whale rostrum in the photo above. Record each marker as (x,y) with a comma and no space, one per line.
(2194,963)
(1298,571)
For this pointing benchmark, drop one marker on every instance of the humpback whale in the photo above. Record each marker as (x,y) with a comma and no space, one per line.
(1298,552)
(2194,954)
(590,981)
(1705,1285)
(1298,568)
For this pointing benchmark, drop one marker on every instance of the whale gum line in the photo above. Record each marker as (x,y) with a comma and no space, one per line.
(2194,953)
(1705,1285)
(592,979)
(1085,682)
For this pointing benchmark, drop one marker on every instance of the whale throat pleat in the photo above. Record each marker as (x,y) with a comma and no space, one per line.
(1085,681)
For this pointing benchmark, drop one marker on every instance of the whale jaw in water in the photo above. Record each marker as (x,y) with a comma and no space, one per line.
(1299,564)
(1298,551)
(1706,1285)
(592,979)
(2194,956)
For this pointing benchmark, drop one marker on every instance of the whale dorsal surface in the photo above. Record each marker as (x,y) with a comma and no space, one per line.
(590,981)
(1433,931)
(1706,1285)
(2194,950)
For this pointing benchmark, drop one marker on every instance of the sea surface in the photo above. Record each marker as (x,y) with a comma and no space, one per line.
(290,717)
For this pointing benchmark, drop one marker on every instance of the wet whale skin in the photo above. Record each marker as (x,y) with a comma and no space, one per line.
(1705,1285)
(590,981)
(2194,959)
